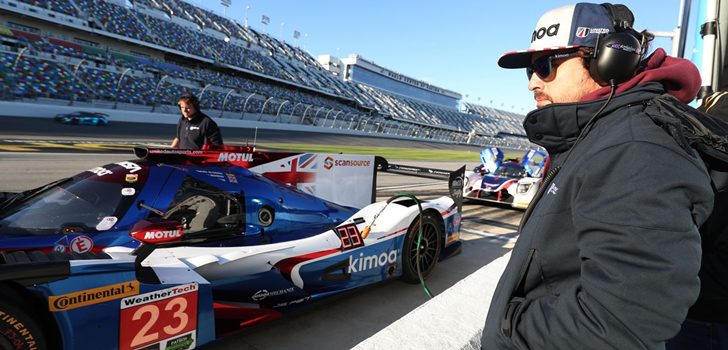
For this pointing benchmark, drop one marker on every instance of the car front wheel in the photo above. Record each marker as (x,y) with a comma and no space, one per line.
(18,328)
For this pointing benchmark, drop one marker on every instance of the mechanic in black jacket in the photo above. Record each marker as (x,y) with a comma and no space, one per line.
(608,253)
(194,128)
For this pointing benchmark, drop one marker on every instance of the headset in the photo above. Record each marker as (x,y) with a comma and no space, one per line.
(617,55)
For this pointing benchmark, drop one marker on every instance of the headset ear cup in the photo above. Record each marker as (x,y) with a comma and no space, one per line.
(617,57)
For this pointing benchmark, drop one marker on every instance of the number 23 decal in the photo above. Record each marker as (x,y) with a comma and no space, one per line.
(350,237)
(144,321)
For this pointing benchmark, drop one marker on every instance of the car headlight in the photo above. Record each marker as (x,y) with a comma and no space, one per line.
(523,188)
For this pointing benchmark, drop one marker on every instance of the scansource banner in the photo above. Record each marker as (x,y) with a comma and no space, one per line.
(339,178)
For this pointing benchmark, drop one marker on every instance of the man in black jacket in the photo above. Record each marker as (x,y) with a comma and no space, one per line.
(194,128)
(609,250)
(706,326)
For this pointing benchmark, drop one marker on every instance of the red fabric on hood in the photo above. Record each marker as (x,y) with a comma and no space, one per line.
(679,76)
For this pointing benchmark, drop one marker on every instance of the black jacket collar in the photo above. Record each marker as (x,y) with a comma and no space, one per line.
(556,126)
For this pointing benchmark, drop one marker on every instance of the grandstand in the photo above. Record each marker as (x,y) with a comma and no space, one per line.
(142,54)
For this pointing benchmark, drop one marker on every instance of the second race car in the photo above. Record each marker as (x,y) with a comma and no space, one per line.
(83,118)
(511,181)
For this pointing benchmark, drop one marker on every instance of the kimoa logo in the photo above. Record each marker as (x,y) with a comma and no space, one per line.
(363,263)
(551,30)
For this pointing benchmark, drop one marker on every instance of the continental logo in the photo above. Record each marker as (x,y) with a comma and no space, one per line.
(93,296)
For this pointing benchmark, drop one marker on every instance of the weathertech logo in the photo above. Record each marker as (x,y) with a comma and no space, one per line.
(93,296)
(159,295)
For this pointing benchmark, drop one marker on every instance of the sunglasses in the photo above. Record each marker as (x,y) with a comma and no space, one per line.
(545,67)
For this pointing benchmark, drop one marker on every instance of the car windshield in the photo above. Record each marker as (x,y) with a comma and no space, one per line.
(509,171)
(86,203)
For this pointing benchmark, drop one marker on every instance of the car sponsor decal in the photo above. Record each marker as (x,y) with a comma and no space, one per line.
(131,178)
(292,302)
(131,166)
(234,157)
(263,293)
(232,178)
(163,319)
(213,174)
(106,223)
(161,235)
(100,171)
(61,245)
(329,163)
(81,244)
(368,262)
(128,191)
(92,296)
(354,163)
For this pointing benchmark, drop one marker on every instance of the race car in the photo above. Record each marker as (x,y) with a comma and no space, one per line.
(511,181)
(83,118)
(179,247)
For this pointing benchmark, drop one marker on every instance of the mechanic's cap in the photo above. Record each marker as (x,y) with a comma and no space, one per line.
(566,27)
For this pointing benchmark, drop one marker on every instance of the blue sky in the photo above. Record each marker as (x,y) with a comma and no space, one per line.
(451,44)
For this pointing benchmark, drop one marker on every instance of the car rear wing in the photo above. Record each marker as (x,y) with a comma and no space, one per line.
(454,178)
(339,178)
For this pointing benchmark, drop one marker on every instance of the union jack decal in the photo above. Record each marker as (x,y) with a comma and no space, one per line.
(297,172)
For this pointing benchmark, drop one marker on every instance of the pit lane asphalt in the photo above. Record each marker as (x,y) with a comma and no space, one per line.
(339,322)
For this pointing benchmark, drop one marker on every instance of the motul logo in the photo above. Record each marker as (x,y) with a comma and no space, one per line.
(162,234)
(552,30)
(235,157)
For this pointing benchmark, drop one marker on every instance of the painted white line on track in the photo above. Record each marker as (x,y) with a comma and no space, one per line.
(493,236)
(408,186)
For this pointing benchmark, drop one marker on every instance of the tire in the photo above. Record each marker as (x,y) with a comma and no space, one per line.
(19,329)
(430,248)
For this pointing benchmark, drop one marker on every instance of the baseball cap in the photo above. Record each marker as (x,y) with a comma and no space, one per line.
(562,28)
